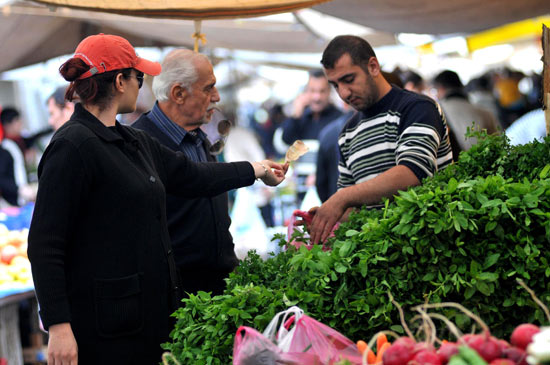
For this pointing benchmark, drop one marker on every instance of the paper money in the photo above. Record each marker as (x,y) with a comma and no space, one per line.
(295,151)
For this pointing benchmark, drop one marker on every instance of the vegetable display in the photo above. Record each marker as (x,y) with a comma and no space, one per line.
(463,236)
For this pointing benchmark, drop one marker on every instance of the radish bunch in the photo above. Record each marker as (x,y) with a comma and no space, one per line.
(469,349)
(487,350)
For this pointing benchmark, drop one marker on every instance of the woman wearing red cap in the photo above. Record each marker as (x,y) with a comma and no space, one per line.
(98,243)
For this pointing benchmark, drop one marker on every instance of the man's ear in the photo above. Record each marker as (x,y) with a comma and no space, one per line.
(178,93)
(374,66)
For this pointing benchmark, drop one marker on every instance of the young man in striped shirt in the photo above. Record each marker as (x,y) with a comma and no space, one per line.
(397,138)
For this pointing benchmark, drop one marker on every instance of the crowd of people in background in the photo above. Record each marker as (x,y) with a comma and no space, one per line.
(499,101)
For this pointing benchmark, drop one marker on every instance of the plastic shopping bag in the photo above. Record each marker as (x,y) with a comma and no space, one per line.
(279,331)
(253,348)
(293,338)
(311,336)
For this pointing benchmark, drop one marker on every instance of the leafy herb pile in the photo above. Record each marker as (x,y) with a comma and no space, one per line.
(464,236)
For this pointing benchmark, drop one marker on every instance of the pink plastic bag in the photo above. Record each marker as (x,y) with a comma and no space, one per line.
(290,341)
(329,345)
(253,348)
(292,226)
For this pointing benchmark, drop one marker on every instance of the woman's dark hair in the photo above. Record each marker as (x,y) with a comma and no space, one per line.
(359,50)
(97,89)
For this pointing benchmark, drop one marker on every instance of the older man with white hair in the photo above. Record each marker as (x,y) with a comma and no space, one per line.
(199,227)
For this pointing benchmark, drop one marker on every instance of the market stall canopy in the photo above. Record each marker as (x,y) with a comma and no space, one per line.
(32,33)
(434,16)
(411,16)
(189,9)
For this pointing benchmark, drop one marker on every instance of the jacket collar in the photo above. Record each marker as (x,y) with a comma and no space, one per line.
(86,118)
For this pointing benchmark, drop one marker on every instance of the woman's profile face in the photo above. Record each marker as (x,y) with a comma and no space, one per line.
(131,90)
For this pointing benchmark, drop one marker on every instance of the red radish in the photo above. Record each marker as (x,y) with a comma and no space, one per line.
(423,346)
(466,338)
(446,351)
(515,354)
(406,342)
(502,362)
(503,344)
(523,335)
(425,357)
(486,346)
(400,352)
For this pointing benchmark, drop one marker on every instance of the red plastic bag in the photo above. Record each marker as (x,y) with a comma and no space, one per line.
(306,218)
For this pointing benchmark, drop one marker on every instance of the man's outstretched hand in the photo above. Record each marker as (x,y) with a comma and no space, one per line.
(324,219)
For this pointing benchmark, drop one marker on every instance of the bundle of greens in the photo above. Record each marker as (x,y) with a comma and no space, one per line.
(464,235)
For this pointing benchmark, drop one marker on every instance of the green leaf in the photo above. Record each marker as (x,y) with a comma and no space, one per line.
(488,276)
(397,329)
(340,268)
(428,277)
(490,226)
(346,248)
(451,187)
(469,292)
(483,287)
(491,260)
(544,173)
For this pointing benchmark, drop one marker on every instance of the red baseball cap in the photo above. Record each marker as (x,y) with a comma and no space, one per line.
(105,52)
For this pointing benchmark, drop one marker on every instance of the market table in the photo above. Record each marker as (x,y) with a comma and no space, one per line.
(10,338)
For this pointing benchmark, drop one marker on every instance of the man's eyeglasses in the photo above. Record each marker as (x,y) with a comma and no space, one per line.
(224,125)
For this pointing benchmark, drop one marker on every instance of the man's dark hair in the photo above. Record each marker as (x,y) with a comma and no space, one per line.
(359,50)
(393,78)
(411,76)
(448,79)
(58,96)
(8,115)
(316,73)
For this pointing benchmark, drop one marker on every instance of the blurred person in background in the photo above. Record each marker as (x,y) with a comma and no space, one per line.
(265,121)
(460,113)
(11,126)
(413,82)
(530,126)
(59,109)
(99,246)
(511,102)
(9,191)
(480,93)
(396,139)
(312,111)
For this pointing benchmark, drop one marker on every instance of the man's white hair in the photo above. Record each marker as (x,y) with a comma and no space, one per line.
(178,67)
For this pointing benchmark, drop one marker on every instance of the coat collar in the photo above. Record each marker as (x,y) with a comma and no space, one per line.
(86,118)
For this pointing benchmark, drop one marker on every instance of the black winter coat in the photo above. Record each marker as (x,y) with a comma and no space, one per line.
(98,242)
